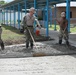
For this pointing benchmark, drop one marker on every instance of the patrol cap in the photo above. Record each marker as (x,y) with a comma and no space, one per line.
(32,9)
(63,14)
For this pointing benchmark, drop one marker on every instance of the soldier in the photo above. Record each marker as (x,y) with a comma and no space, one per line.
(63,23)
(1,42)
(28,22)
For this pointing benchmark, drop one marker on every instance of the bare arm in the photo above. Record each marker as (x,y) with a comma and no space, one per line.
(38,23)
(57,21)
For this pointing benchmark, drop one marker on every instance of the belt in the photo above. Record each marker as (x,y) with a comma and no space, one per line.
(29,26)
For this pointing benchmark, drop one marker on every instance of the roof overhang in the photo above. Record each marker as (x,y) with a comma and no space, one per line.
(30,3)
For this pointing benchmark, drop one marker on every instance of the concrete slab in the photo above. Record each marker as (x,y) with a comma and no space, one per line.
(47,48)
(49,65)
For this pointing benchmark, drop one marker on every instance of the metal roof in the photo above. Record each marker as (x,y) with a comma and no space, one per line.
(72,4)
(30,3)
(18,5)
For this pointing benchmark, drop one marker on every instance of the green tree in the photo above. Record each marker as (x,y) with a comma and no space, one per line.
(2,2)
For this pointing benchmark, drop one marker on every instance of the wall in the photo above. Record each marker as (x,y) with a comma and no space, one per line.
(72,9)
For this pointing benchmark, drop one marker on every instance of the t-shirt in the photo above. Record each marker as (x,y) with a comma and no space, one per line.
(63,23)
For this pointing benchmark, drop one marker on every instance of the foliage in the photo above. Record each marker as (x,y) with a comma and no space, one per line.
(2,2)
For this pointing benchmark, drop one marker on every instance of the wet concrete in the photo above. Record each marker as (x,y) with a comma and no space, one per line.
(47,58)
(49,65)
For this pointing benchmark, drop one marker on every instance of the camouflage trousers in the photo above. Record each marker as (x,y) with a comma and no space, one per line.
(28,36)
(63,35)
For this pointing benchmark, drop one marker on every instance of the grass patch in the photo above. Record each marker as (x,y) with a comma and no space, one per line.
(11,35)
(72,30)
(53,26)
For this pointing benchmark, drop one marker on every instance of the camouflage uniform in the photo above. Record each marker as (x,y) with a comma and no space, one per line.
(63,31)
(28,22)
(63,23)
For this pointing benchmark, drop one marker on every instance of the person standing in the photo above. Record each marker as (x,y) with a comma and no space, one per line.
(1,42)
(63,24)
(28,25)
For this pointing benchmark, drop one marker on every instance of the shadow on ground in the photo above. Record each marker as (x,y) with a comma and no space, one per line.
(64,49)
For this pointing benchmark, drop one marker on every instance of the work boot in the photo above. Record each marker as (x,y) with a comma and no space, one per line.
(60,42)
(27,45)
(67,43)
(2,46)
(31,45)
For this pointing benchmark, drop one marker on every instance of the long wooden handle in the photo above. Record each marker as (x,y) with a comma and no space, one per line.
(32,37)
